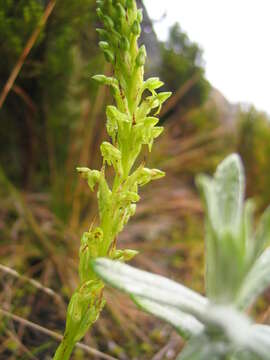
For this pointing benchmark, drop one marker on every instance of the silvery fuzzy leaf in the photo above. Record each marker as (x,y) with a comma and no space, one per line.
(248,228)
(235,333)
(224,195)
(150,286)
(239,332)
(229,181)
(262,236)
(263,329)
(259,341)
(186,325)
(256,281)
(202,348)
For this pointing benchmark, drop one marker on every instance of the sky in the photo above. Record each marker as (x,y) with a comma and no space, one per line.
(235,37)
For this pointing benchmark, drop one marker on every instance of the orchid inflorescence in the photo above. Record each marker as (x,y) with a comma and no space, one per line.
(131,123)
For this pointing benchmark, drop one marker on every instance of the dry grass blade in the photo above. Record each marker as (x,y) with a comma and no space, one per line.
(172,346)
(24,348)
(55,335)
(179,95)
(33,282)
(88,139)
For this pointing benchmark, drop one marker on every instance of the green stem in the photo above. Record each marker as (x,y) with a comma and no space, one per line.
(64,350)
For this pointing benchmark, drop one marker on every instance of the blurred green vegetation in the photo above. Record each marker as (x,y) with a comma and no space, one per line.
(51,122)
(253,144)
(182,61)
(47,106)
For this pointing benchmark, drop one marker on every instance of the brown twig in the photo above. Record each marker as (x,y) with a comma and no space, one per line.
(34,283)
(171,103)
(29,45)
(26,98)
(54,335)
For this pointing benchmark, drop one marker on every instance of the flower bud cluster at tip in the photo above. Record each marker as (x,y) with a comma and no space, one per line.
(131,122)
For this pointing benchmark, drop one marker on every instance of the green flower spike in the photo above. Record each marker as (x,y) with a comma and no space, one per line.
(130,126)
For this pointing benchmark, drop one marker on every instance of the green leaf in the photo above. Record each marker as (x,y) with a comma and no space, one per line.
(256,282)
(150,286)
(186,325)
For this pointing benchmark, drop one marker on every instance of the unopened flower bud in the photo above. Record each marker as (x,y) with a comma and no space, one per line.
(108,22)
(103,45)
(130,4)
(102,33)
(140,16)
(100,13)
(100,3)
(124,43)
(136,28)
(121,10)
(109,56)
(141,57)
(124,255)
(105,80)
